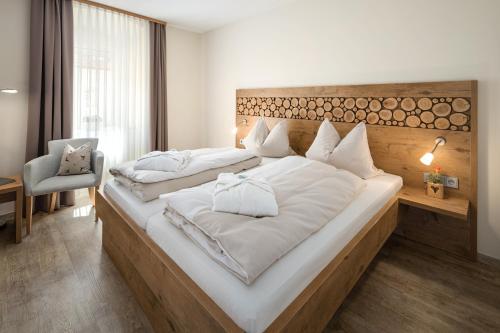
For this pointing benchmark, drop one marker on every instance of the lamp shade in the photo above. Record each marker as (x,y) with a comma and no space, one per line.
(427,158)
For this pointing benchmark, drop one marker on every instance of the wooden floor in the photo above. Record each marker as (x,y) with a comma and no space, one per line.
(60,280)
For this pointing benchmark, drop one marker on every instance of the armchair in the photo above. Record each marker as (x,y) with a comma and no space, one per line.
(40,175)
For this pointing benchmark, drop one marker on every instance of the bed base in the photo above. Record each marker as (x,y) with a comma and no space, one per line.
(174,303)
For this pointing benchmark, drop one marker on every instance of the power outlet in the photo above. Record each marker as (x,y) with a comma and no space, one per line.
(448,181)
(451,182)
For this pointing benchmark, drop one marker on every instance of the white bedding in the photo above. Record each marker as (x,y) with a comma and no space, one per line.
(267,160)
(254,307)
(308,193)
(200,160)
(139,210)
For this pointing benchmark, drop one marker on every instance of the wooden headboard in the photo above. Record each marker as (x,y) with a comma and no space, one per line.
(403,120)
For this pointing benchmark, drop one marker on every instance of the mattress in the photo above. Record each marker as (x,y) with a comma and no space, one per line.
(253,307)
(138,210)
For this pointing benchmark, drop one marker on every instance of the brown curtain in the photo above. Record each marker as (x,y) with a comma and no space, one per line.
(158,133)
(51,78)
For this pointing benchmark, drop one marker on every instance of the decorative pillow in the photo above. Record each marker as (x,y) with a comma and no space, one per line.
(353,154)
(268,144)
(324,143)
(75,161)
(256,136)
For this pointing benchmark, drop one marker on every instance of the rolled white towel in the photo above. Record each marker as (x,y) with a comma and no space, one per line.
(239,194)
(168,161)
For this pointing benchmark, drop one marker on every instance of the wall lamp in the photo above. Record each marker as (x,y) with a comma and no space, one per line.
(429,156)
(9,91)
(243,122)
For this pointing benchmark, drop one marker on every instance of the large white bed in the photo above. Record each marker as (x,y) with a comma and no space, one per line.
(253,307)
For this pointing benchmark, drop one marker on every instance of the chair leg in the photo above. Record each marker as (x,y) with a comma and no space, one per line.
(29,213)
(53,198)
(92,195)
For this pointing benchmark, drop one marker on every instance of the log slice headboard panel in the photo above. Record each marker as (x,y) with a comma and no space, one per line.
(403,120)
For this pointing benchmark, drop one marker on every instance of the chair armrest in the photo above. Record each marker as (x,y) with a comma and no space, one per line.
(97,162)
(38,169)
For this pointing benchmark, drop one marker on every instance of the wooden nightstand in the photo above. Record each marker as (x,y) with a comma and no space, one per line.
(451,206)
(14,192)
(442,223)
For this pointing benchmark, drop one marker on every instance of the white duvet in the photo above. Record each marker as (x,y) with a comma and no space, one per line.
(308,196)
(200,160)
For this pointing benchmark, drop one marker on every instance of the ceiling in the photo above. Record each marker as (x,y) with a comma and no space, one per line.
(197,15)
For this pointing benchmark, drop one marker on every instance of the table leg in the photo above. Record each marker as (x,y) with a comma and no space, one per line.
(19,216)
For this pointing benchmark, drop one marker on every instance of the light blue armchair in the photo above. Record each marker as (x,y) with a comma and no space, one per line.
(40,175)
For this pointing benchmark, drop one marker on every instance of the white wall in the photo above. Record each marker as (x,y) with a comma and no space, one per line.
(184,88)
(14,73)
(322,42)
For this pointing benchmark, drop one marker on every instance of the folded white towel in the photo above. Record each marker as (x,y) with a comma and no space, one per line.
(239,194)
(168,161)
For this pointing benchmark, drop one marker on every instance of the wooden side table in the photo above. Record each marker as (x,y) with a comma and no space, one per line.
(451,206)
(442,223)
(14,192)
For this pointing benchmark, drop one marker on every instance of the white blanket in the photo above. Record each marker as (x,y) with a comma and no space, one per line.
(239,194)
(168,161)
(308,197)
(201,160)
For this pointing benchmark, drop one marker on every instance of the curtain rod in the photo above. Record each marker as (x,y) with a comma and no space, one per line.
(122,11)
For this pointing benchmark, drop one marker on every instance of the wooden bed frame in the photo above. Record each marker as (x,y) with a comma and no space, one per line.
(173,302)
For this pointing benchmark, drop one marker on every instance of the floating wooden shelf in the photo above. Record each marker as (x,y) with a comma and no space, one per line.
(452,206)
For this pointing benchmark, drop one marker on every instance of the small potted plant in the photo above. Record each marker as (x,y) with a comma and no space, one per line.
(435,187)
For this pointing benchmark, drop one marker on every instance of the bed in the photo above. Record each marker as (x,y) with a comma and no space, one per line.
(254,307)
(180,289)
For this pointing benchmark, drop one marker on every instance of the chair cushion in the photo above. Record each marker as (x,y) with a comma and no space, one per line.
(75,161)
(65,183)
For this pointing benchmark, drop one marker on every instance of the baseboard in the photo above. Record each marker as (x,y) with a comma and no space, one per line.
(488,260)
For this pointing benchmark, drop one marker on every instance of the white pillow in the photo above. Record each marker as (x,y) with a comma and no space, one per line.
(353,154)
(276,143)
(268,144)
(324,143)
(256,136)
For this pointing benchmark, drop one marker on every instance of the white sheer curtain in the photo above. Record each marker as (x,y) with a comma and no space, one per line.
(111,81)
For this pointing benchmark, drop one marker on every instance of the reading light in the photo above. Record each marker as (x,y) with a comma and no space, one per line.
(9,91)
(429,156)
(244,122)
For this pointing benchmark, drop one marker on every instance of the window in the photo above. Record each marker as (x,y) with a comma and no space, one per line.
(111,82)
